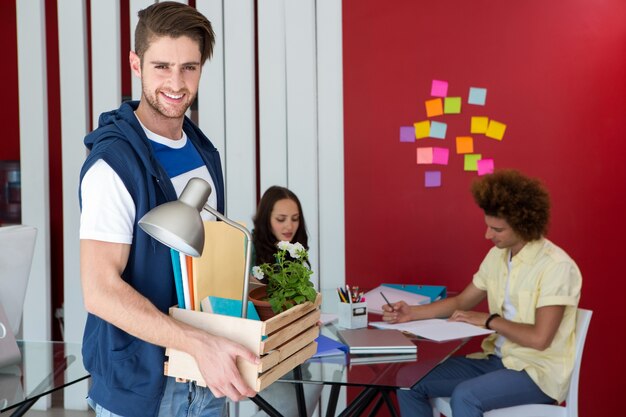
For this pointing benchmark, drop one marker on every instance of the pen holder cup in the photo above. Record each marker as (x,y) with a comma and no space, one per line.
(353,316)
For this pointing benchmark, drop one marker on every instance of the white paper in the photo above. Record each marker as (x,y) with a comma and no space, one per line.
(375,301)
(439,330)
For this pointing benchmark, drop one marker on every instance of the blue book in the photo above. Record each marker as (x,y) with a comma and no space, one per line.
(329,347)
(434,292)
(178,279)
(228,307)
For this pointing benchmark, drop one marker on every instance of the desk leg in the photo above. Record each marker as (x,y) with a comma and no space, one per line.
(297,372)
(265,406)
(392,409)
(332,400)
(360,402)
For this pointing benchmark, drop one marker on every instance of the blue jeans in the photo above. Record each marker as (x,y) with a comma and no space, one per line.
(180,399)
(474,385)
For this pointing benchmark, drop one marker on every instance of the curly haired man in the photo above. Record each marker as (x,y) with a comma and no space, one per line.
(532,287)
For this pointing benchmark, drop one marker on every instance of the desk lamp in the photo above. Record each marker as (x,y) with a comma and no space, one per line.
(178,225)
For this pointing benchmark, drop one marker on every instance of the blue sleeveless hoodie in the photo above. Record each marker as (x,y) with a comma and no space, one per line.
(127,373)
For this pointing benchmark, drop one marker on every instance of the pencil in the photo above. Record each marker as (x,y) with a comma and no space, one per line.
(387,301)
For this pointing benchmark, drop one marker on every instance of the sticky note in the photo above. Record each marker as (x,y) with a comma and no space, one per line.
(452,105)
(438,130)
(477,96)
(432,179)
(407,134)
(464,144)
(439,88)
(440,156)
(495,130)
(424,156)
(422,129)
(434,107)
(479,124)
(471,160)
(484,166)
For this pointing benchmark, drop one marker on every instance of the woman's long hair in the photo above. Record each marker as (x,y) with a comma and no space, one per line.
(263,239)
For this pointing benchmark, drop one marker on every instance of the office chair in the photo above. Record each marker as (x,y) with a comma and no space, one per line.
(583,317)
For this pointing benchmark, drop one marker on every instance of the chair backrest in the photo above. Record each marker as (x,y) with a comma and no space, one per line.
(583,318)
(17,246)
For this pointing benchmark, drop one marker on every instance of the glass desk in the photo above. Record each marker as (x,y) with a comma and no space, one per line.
(376,378)
(45,368)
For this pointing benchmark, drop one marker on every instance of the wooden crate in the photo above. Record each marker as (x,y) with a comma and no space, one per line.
(290,341)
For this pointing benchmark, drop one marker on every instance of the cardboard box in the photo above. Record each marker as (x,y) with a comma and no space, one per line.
(290,341)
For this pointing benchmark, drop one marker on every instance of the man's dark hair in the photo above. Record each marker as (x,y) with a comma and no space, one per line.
(523,202)
(263,238)
(174,20)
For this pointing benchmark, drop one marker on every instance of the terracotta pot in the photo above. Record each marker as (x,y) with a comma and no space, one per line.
(258,296)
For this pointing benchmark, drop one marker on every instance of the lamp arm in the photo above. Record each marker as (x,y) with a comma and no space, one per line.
(246,272)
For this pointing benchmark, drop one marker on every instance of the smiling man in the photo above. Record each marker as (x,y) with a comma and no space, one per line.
(141,156)
(532,287)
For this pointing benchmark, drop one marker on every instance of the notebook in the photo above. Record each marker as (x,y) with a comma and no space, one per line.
(370,341)
(9,352)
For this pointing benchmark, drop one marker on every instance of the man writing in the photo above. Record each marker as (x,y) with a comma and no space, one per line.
(142,155)
(532,287)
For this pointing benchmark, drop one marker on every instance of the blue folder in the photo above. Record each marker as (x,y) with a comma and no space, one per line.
(178,279)
(434,292)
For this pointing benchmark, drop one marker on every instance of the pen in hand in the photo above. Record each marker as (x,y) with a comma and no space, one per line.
(387,301)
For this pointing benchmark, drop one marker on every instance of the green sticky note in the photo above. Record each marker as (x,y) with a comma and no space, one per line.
(471,161)
(452,105)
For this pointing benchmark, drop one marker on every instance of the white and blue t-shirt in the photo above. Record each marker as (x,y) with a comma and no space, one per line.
(108,212)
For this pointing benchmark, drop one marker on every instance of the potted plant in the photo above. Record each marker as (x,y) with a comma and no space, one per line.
(288,281)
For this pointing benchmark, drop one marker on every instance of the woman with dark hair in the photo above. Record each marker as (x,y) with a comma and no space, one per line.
(279,217)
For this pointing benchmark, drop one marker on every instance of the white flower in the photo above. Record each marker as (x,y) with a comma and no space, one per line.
(257,272)
(296,250)
(284,245)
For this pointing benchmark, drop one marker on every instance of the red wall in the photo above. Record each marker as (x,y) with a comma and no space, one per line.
(555,73)
(9,116)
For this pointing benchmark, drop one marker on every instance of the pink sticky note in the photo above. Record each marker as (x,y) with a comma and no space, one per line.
(432,179)
(439,88)
(424,155)
(485,166)
(440,156)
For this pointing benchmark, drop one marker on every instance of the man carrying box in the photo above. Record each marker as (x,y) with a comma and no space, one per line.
(141,156)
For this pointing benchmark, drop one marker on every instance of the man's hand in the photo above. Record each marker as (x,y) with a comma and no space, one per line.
(472,317)
(217,362)
(400,313)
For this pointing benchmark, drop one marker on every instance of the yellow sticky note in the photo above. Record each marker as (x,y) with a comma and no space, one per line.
(471,161)
(495,130)
(464,144)
(434,107)
(422,129)
(479,124)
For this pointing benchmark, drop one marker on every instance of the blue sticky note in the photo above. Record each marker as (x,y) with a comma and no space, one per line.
(438,130)
(477,96)
(407,134)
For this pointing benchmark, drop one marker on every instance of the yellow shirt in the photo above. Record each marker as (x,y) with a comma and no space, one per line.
(542,274)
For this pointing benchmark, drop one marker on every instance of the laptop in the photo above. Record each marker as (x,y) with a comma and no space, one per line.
(368,341)
(9,352)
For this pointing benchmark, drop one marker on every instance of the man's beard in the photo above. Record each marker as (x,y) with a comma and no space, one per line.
(167,111)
